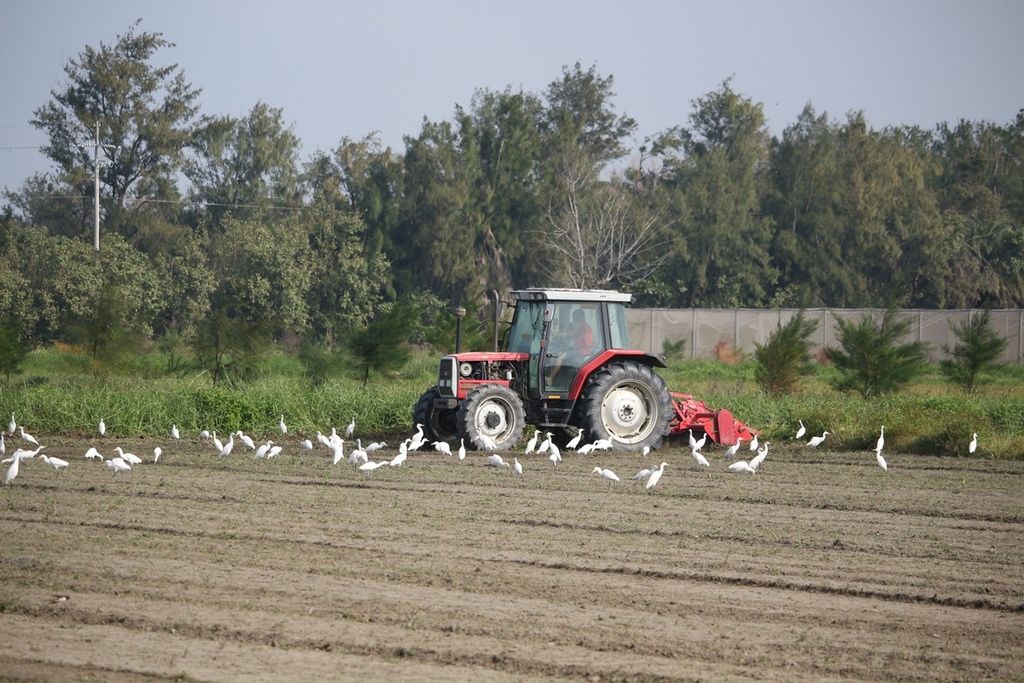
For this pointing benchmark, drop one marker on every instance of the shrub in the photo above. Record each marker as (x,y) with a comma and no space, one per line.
(871,360)
(785,357)
(977,350)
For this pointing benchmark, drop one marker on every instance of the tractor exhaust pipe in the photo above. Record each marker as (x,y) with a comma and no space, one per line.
(497,314)
(460,313)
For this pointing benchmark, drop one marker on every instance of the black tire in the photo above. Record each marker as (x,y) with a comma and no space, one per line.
(491,411)
(628,403)
(438,425)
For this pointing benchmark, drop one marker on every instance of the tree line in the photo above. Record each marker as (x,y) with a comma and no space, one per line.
(216,218)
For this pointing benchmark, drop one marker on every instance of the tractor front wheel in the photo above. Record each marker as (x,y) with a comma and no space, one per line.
(629,404)
(491,418)
(438,425)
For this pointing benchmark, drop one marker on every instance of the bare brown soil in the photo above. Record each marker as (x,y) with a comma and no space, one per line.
(819,567)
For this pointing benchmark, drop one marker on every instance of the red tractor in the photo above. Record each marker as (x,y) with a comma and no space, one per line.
(566,367)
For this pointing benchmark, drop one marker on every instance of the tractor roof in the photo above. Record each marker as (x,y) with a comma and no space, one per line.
(542,294)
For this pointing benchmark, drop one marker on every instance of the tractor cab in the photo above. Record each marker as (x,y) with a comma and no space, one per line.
(564,330)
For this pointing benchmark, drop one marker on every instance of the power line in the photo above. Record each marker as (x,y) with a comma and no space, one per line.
(185,202)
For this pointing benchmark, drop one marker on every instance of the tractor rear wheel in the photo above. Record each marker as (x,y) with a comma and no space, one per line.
(438,425)
(491,418)
(629,404)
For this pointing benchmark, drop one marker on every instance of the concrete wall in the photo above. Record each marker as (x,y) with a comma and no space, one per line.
(704,329)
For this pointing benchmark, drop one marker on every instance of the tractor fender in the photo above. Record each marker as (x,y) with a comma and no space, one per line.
(608,356)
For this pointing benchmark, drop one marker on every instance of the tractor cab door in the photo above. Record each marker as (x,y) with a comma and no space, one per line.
(575,334)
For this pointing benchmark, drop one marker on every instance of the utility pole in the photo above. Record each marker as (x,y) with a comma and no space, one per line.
(96,193)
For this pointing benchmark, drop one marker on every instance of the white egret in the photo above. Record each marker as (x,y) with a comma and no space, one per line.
(556,455)
(693,441)
(974,443)
(217,444)
(247,440)
(762,453)
(586,449)
(646,451)
(701,460)
(282,426)
(25,454)
(157,452)
(118,465)
(655,477)
(603,445)
(399,459)
(103,427)
(93,454)
(443,447)
(575,441)
(642,474)
(703,440)
(274,450)
(517,468)
(607,474)
(741,466)
(175,434)
(803,430)
(488,443)
(226,451)
(337,452)
(350,430)
(359,453)
(817,440)
(417,438)
(3,446)
(881,441)
(307,445)
(495,460)
(262,450)
(55,463)
(25,436)
(462,449)
(370,465)
(881,460)
(532,443)
(11,426)
(374,447)
(733,449)
(322,440)
(204,435)
(753,443)
(545,444)
(12,471)
(130,458)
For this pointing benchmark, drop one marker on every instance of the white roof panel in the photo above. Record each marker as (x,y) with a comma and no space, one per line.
(554,294)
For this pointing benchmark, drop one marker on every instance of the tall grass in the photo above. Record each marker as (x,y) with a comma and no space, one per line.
(60,393)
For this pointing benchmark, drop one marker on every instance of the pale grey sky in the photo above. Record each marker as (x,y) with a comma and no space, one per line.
(351,67)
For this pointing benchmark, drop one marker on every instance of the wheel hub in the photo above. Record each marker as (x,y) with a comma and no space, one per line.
(625,413)
(491,419)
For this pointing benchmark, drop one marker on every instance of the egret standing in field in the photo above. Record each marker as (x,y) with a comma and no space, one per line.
(974,443)
(817,440)
(880,444)
(351,429)
(762,453)
(803,430)
(606,474)
(532,443)
(226,451)
(741,466)
(103,427)
(25,436)
(307,445)
(646,451)
(701,460)
(156,454)
(247,440)
(130,458)
(261,452)
(274,450)
(282,426)
(733,449)
(462,450)
(11,426)
(174,432)
(881,460)
(55,463)
(495,460)
(443,448)
(517,468)
(753,443)
(93,454)
(3,446)
(575,441)
(556,455)
(12,471)
(118,465)
(400,459)
(693,441)
(655,477)
(217,444)
(642,474)
(545,445)
(370,465)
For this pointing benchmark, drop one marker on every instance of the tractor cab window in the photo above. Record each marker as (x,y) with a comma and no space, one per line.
(576,335)
(617,323)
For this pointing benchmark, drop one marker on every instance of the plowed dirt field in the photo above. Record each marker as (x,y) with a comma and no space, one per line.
(819,567)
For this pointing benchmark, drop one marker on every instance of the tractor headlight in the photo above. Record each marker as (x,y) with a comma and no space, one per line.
(465,369)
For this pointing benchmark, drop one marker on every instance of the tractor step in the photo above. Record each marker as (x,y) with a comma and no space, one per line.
(720,425)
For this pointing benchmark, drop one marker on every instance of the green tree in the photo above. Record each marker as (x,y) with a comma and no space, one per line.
(144,114)
(381,345)
(244,165)
(870,358)
(13,350)
(976,352)
(229,348)
(786,356)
